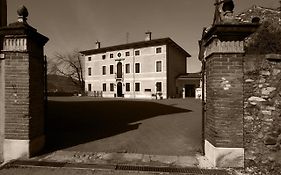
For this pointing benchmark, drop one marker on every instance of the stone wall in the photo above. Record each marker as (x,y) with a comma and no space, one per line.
(262,114)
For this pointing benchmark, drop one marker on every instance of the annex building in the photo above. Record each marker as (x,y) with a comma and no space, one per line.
(146,69)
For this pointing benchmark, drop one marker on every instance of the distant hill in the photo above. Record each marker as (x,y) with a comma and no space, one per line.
(61,84)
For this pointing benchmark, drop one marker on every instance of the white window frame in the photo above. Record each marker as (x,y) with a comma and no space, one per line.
(111,90)
(126,53)
(129,87)
(126,68)
(160,66)
(138,51)
(102,70)
(161,86)
(136,86)
(89,85)
(105,87)
(111,55)
(136,68)
(111,65)
(89,71)
(158,48)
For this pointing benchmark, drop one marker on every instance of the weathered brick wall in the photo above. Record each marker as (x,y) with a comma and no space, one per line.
(36,67)
(17,95)
(224,121)
(262,115)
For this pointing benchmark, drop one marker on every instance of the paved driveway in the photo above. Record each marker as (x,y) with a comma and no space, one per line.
(161,127)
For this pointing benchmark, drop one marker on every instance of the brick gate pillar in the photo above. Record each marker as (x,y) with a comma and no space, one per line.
(24,88)
(224,50)
(2,107)
(3,22)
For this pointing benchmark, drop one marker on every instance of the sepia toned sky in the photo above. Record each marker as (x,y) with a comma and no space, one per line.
(77,24)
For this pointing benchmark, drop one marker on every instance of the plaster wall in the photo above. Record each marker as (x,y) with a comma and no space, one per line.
(147,76)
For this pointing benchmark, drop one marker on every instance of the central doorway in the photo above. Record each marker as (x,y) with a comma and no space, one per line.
(119,90)
(189,90)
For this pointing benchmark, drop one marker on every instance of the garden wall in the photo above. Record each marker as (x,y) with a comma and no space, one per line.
(262,113)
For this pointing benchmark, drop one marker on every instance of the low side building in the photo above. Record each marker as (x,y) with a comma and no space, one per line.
(190,85)
(146,69)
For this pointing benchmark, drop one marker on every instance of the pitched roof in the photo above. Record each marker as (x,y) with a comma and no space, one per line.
(137,45)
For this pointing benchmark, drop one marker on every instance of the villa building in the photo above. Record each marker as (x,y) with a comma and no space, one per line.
(146,69)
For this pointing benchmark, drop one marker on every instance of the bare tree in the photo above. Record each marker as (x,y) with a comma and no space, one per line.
(69,65)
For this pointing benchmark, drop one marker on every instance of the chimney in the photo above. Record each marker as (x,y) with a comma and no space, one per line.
(147,36)
(97,45)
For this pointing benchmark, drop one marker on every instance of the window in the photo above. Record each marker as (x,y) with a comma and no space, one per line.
(127,68)
(158,50)
(158,86)
(137,87)
(111,69)
(128,87)
(111,87)
(111,55)
(147,90)
(127,54)
(89,87)
(103,70)
(119,70)
(103,57)
(89,58)
(137,67)
(104,87)
(137,52)
(89,71)
(158,66)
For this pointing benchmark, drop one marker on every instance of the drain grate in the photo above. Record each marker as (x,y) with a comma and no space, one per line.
(28,163)
(190,170)
(36,163)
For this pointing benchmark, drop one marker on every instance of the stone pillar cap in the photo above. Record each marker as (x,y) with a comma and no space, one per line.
(230,32)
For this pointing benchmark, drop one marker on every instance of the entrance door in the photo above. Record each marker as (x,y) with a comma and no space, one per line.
(189,90)
(119,70)
(119,90)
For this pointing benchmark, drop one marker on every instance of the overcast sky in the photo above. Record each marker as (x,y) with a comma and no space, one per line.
(77,24)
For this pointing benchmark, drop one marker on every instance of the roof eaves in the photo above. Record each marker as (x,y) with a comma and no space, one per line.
(135,45)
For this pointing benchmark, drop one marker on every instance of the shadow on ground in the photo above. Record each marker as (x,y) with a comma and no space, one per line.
(70,123)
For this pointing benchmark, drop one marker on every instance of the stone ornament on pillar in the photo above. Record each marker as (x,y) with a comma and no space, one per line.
(22,14)
(227,8)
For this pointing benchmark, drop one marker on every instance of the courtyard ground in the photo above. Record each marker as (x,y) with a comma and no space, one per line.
(116,136)
(158,127)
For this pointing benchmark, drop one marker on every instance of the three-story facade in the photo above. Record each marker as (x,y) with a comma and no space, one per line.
(146,69)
